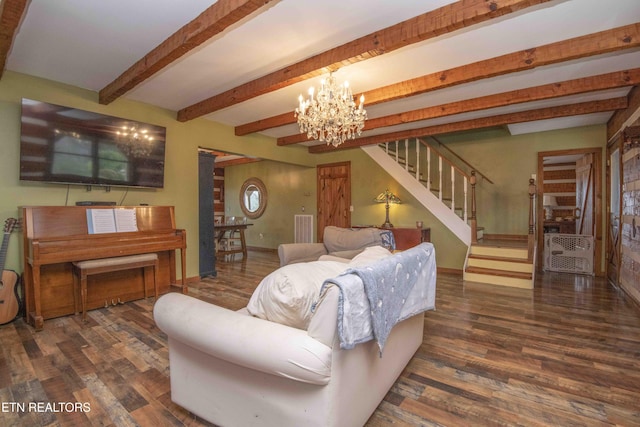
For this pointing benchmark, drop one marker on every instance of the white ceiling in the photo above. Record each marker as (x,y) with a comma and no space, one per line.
(89,43)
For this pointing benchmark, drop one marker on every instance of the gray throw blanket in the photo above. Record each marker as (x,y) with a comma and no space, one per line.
(376,297)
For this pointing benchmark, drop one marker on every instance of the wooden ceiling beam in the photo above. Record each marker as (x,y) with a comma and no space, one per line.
(284,119)
(484,122)
(236,162)
(627,37)
(214,20)
(441,21)
(603,42)
(11,14)
(617,122)
(549,91)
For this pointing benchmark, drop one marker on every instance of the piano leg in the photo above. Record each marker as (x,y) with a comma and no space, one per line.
(35,317)
(183,266)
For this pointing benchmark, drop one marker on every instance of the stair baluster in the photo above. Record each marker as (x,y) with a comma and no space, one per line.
(440,189)
(428,168)
(406,154)
(417,162)
(466,182)
(453,188)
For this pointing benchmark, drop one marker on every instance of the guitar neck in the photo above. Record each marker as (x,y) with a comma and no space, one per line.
(3,250)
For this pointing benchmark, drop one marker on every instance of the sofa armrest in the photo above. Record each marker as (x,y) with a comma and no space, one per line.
(290,253)
(243,340)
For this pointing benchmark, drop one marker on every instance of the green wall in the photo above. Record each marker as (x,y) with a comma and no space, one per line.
(288,173)
(292,187)
(181,168)
(291,190)
(509,161)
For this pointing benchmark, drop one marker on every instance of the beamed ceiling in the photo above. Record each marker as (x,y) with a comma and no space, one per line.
(429,67)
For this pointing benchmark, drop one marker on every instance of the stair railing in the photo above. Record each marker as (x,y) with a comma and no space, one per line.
(457,156)
(450,186)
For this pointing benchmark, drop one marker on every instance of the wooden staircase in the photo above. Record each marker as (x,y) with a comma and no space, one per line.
(449,193)
(500,262)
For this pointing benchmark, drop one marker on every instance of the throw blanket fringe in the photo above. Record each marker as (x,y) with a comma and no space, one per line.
(376,297)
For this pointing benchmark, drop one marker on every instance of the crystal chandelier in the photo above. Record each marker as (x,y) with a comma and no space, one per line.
(332,115)
(133,141)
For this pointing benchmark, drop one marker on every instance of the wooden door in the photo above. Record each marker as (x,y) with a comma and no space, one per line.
(614,208)
(584,195)
(334,195)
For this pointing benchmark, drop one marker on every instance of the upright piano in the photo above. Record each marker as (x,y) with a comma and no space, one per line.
(56,236)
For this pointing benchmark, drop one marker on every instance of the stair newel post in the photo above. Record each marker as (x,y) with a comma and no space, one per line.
(531,235)
(473,221)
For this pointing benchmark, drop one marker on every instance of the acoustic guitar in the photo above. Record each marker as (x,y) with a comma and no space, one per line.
(9,298)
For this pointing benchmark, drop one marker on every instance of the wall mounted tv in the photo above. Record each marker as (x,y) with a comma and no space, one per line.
(70,146)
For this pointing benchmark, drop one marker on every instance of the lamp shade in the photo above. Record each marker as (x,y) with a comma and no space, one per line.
(387,197)
(549,201)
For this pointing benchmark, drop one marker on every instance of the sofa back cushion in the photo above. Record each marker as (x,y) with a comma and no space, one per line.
(287,295)
(337,239)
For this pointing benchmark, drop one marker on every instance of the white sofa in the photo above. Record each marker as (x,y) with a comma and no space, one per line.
(234,369)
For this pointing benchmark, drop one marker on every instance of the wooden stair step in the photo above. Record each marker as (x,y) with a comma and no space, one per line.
(501,273)
(498,258)
(511,252)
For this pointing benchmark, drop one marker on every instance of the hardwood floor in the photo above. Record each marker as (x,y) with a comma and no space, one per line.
(565,354)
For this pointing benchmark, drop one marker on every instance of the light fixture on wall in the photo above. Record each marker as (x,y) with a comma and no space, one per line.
(134,141)
(387,197)
(549,202)
(331,115)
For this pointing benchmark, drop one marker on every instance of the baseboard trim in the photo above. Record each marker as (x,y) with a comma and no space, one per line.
(259,249)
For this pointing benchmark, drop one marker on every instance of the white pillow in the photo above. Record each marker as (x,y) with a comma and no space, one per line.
(286,295)
(369,255)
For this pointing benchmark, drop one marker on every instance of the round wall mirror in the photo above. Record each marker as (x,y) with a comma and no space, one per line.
(253,198)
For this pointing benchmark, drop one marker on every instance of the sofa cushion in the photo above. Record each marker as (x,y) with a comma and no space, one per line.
(287,295)
(337,239)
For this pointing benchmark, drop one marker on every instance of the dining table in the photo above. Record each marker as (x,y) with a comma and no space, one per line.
(221,230)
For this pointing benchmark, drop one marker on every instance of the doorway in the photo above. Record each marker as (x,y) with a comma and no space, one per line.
(571,180)
(614,209)
(334,196)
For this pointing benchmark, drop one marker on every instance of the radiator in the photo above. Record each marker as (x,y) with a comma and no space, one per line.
(303,228)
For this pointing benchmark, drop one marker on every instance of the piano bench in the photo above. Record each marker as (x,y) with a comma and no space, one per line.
(82,269)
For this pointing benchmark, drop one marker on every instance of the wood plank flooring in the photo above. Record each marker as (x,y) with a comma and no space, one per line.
(564,354)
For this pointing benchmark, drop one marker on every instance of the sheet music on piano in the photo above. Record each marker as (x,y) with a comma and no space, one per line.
(111,220)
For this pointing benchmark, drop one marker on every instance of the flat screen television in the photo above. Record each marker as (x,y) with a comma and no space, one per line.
(70,146)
